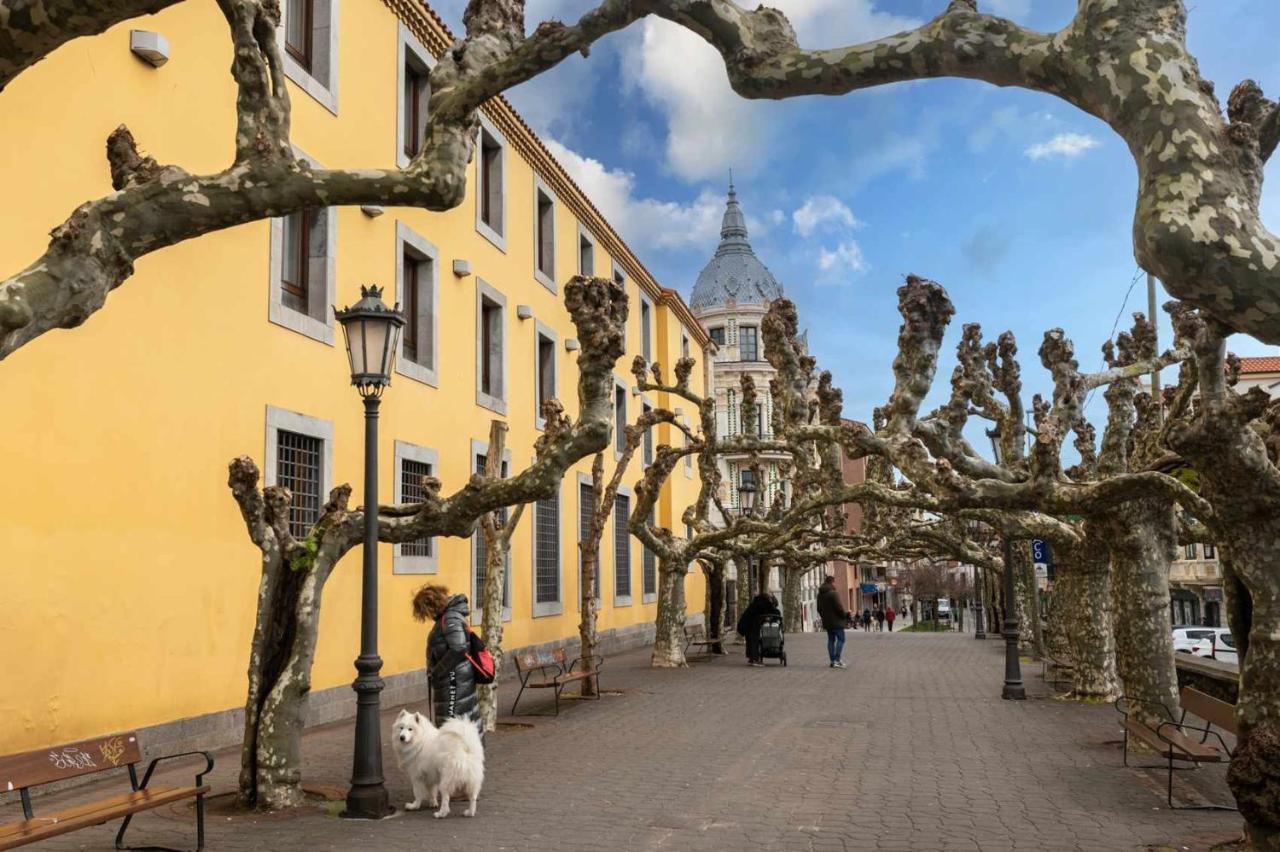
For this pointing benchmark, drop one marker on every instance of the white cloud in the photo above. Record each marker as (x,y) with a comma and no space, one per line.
(646,223)
(846,257)
(824,212)
(1065,145)
(709,127)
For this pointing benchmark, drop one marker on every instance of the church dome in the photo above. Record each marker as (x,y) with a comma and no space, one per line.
(734,272)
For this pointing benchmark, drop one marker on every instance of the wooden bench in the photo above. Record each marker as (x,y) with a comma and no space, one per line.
(695,636)
(547,670)
(21,772)
(1050,665)
(1169,738)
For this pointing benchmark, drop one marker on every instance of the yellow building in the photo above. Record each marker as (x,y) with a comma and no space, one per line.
(129,581)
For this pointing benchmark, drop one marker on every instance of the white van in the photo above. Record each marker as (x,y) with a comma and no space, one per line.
(944,609)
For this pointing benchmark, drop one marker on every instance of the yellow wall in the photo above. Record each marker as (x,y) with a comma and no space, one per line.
(129,581)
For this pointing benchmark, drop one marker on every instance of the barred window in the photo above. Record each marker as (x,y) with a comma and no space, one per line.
(621,547)
(586,507)
(546,580)
(298,460)
(650,567)
(411,491)
(1189,551)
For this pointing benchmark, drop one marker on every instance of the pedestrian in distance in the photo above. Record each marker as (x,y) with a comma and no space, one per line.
(834,617)
(866,620)
(889,616)
(749,624)
(880,620)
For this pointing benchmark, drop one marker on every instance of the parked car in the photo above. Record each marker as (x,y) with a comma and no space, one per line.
(944,609)
(1185,639)
(1219,645)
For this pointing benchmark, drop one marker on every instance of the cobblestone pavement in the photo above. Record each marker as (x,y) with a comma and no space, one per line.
(910,748)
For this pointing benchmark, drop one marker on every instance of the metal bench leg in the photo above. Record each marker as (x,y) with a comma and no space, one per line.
(597,686)
(1124,749)
(559,687)
(124,826)
(517,701)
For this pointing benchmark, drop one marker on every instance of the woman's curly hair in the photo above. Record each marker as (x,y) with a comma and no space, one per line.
(429,602)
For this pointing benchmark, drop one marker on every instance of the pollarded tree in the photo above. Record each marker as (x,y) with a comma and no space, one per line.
(296,563)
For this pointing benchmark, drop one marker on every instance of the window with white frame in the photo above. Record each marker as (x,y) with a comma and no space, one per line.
(309,30)
(621,549)
(748,343)
(415,64)
(545,365)
(480,550)
(302,270)
(491,360)
(299,455)
(1210,552)
(619,277)
(544,235)
(491,186)
(646,326)
(648,437)
(684,345)
(546,556)
(412,464)
(586,511)
(688,459)
(417,291)
(586,254)
(649,568)
(1188,551)
(619,419)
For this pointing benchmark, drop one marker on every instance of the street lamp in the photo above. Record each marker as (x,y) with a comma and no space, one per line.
(747,494)
(1013,688)
(979,631)
(372,332)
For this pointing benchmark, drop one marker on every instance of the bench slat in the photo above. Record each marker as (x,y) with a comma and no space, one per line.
(529,660)
(1213,710)
(44,826)
(1183,747)
(58,763)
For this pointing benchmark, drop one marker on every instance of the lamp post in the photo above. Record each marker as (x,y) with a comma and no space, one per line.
(1013,688)
(747,509)
(979,631)
(372,332)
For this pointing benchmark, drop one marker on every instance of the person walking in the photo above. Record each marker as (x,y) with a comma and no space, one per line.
(889,616)
(866,620)
(449,672)
(749,624)
(880,620)
(834,617)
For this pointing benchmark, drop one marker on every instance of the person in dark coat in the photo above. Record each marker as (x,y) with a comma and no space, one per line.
(749,625)
(879,619)
(834,617)
(866,619)
(453,680)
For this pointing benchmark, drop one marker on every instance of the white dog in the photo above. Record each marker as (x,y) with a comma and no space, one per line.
(441,762)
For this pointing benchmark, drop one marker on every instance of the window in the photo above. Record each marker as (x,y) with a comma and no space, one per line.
(415,67)
(717,335)
(480,550)
(310,36)
(299,456)
(302,267)
(648,439)
(748,343)
(298,469)
(544,249)
(619,277)
(412,463)
(417,280)
(646,321)
(649,569)
(490,216)
(545,366)
(1189,551)
(684,345)
(491,362)
(586,508)
(586,254)
(621,549)
(619,418)
(688,459)
(1210,552)
(546,556)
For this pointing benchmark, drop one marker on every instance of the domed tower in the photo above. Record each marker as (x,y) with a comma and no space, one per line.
(730,299)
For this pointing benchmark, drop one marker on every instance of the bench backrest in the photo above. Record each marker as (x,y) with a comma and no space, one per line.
(529,660)
(695,631)
(1213,710)
(57,763)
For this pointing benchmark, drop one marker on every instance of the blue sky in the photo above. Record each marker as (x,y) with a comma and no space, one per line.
(1018,204)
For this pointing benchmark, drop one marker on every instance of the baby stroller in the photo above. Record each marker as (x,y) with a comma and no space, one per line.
(772,642)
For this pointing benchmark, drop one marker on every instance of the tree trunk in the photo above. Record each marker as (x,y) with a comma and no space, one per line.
(668,638)
(1025,589)
(495,570)
(1141,536)
(762,576)
(283,651)
(792,613)
(745,592)
(715,605)
(1082,597)
(590,640)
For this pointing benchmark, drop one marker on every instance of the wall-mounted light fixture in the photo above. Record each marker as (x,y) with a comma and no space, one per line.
(373,211)
(523,312)
(570,344)
(151,47)
(462,268)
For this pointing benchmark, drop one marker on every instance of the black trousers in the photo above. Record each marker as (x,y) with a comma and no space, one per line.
(753,645)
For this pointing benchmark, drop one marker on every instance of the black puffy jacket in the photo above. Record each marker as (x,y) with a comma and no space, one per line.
(833,614)
(453,681)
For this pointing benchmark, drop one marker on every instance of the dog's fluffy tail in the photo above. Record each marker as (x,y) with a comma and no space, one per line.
(468,735)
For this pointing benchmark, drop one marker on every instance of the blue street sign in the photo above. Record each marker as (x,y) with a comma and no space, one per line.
(1040,553)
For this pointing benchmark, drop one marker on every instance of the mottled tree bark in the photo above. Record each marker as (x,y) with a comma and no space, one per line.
(792,613)
(1083,596)
(715,608)
(668,639)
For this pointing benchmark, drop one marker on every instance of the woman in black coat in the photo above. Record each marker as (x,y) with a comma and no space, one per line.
(453,680)
(749,624)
